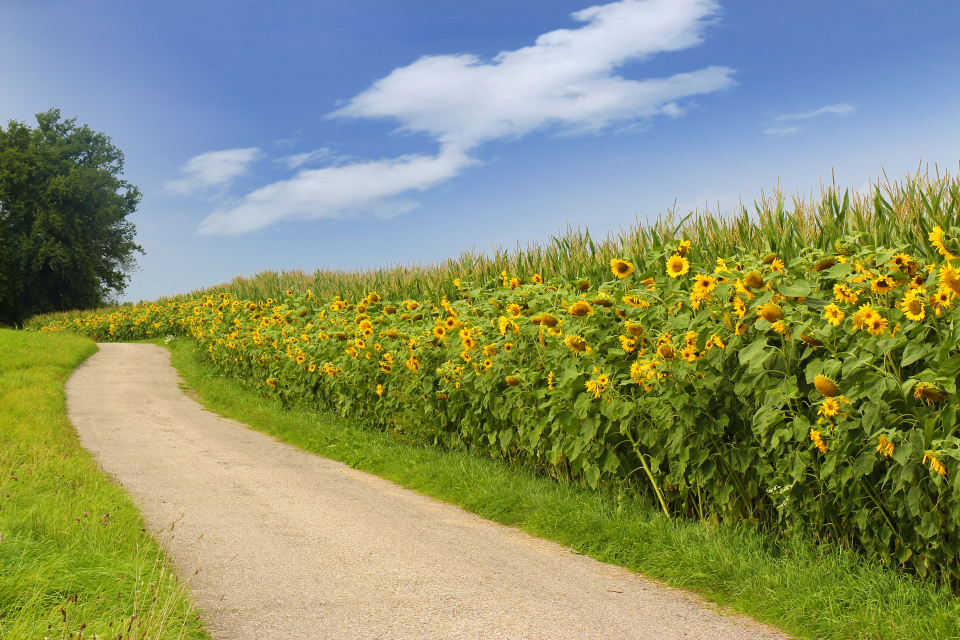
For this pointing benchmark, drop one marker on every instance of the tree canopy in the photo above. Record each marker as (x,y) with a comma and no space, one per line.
(63,206)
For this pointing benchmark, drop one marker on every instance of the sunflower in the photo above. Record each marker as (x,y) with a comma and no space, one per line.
(621,268)
(704,283)
(739,306)
(665,351)
(885,446)
(689,353)
(537,279)
(950,279)
(439,332)
(929,392)
(580,308)
(935,463)
(936,239)
(883,284)
(754,280)
(637,302)
(829,408)
(715,341)
(684,248)
(770,312)
(817,440)
(777,265)
(379,389)
(628,344)
(912,307)
(466,356)
(514,310)
(826,263)
(779,327)
(833,314)
(826,386)
(843,293)
(677,266)
(487,363)
(548,320)
(876,326)
(576,344)
(902,260)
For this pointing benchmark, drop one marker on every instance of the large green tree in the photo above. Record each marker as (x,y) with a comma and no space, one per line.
(64,209)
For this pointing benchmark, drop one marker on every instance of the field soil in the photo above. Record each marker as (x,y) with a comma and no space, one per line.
(277,543)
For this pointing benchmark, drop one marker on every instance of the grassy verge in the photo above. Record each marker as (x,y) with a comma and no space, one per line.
(75,558)
(814,592)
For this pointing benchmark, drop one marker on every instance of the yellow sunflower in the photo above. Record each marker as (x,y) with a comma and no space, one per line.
(817,440)
(704,283)
(621,268)
(843,293)
(912,307)
(833,314)
(826,386)
(580,308)
(677,266)
(950,279)
(577,344)
(770,312)
(936,239)
(883,284)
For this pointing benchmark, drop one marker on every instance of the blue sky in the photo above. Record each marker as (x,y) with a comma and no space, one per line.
(295,134)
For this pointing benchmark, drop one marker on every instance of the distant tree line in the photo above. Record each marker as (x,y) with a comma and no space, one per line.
(65,241)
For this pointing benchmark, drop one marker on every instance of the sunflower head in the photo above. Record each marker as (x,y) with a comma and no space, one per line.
(621,268)
(580,308)
(677,265)
(576,344)
(753,280)
(826,263)
(583,286)
(770,312)
(929,392)
(913,309)
(548,320)
(883,284)
(826,386)
(950,279)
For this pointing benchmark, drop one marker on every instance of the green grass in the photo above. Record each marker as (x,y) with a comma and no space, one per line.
(808,591)
(74,552)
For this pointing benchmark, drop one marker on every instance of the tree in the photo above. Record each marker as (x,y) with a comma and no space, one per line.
(64,209)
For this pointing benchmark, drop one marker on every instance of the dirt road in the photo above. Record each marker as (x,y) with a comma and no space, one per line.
(291,545)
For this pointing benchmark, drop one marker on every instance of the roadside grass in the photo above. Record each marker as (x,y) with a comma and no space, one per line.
(805,590)
(75,557)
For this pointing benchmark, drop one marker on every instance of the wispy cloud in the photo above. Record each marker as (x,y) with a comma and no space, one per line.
(842,109)
(300,159)
(564,83)
(836,109)
(213,169)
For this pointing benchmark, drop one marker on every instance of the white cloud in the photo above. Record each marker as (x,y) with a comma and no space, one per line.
(300,159)
(335,191)
(781,131)
(842,109)
(566,79)
(836,109)
(565,82)
(213,169)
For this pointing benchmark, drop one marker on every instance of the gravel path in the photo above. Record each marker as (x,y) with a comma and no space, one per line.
(291,545)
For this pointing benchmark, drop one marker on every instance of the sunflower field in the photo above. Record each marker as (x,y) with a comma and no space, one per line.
(810,389)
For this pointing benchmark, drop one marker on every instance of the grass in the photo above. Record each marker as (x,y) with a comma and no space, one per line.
(805,590)
(76,559)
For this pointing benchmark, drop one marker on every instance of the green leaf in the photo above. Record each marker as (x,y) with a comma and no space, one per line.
(864,463)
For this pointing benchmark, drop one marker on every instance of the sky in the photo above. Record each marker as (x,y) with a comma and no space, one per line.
(289,134)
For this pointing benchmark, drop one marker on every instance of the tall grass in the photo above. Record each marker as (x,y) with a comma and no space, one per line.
(75,557)
(894,212)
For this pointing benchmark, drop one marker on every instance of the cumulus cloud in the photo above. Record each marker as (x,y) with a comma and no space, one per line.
(213,169)
(566,82)
(842,109)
